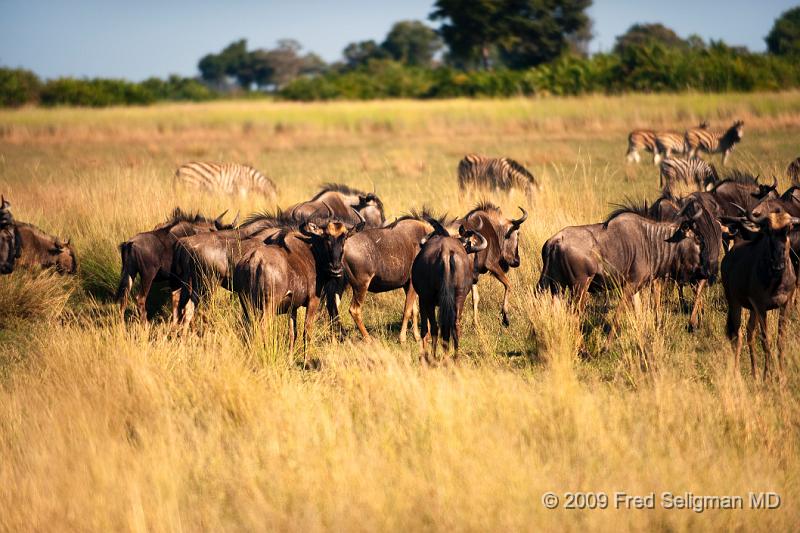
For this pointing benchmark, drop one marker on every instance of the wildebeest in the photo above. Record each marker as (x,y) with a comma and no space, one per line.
(758,275)
(442,274)
(629,251)
(45,251)
(6,218)
(291,270)
(207,259)
(10,242)
(379,260)
(686,175)
(495,173)
(228,178)
(502,250)
(345,202)
(740,189)
(714,142)
(793,172)
(149,254)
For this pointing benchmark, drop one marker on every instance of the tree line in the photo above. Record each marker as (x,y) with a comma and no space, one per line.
(490,48)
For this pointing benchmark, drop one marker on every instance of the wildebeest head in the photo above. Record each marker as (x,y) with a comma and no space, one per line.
(765,190)
(510,253)
(775,226)
(327,241)
(466,236)
(10,248)
(371,209)
(5,212)
(697,225)
(63,257)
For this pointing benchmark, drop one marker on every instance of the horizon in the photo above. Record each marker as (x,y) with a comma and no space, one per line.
(92,39)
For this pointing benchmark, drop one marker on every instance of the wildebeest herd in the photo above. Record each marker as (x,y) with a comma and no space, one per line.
(307,254)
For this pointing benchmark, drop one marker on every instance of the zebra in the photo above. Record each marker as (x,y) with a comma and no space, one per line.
(669,142)
(495,173)
(793,171)
(695,173)
(641,140)
(229,178)
(713,142)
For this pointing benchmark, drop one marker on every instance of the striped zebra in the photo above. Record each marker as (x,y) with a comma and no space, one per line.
(714,142)
(671,142)
(494,173)
(641,140)
(228,178)
(682,176)
(793,171)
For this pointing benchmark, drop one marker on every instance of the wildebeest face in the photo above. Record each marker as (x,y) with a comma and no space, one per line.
(10,248)
(510,246)
(329,241)
(62,257)
(371,208)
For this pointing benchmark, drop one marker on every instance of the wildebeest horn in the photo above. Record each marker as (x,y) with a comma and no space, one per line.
(438,229)
(330,211)
(523,218)
(756,220)
(481,243)
(362,220)
(774,183)
(219,218)
(235,219)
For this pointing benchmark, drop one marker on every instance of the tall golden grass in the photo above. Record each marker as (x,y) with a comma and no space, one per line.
(108,425)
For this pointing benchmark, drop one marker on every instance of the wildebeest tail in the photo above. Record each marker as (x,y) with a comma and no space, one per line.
(546,282)
(447,300)
(129,268)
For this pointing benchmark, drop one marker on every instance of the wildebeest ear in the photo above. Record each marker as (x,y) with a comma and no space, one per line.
(4,204)
(678,236)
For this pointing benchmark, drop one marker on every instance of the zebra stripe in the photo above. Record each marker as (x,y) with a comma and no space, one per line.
(228,178)
(495,173)
(693,172)
(712,142)
(641,140)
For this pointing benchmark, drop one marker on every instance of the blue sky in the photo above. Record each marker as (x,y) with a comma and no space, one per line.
(135,40)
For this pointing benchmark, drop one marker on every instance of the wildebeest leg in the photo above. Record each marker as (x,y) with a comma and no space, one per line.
(434,330)
(308,327)
(475,299)
(783,312)
(359,295)
(656,288)
(694,319)
(426,317)
(751,328)
(141,299)
(502,278)
(408,311)
(762,323)
(292,328)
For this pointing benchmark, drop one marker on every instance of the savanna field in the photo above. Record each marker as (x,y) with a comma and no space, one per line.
(109,425)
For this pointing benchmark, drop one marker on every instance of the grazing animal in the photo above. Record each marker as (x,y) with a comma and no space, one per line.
(345,202)
(740,189)
(291,270)
(670,142)
(45,251)
(680,175)
(793,171)
(442,276)
(379,260)
(227,178)
(629,251)
(10,241)
(6,218)
(758,275)
(149,255)
(501,253)
(494,173)
(641,140)
(714,142)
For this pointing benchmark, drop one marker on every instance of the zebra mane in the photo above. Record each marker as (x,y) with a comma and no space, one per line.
(483,205)
(416,214)
(337,187)
(179,215)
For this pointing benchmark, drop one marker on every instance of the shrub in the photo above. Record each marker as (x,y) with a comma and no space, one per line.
(18,87)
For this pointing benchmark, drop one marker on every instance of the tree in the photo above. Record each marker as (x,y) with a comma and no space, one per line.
(360,53)
(526,32)
(412,42)
(784,38)
(640,35)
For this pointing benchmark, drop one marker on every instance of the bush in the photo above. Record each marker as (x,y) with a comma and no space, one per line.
(94,92)
(18,87)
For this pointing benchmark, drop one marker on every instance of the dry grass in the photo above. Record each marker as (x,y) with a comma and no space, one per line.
(111,426)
